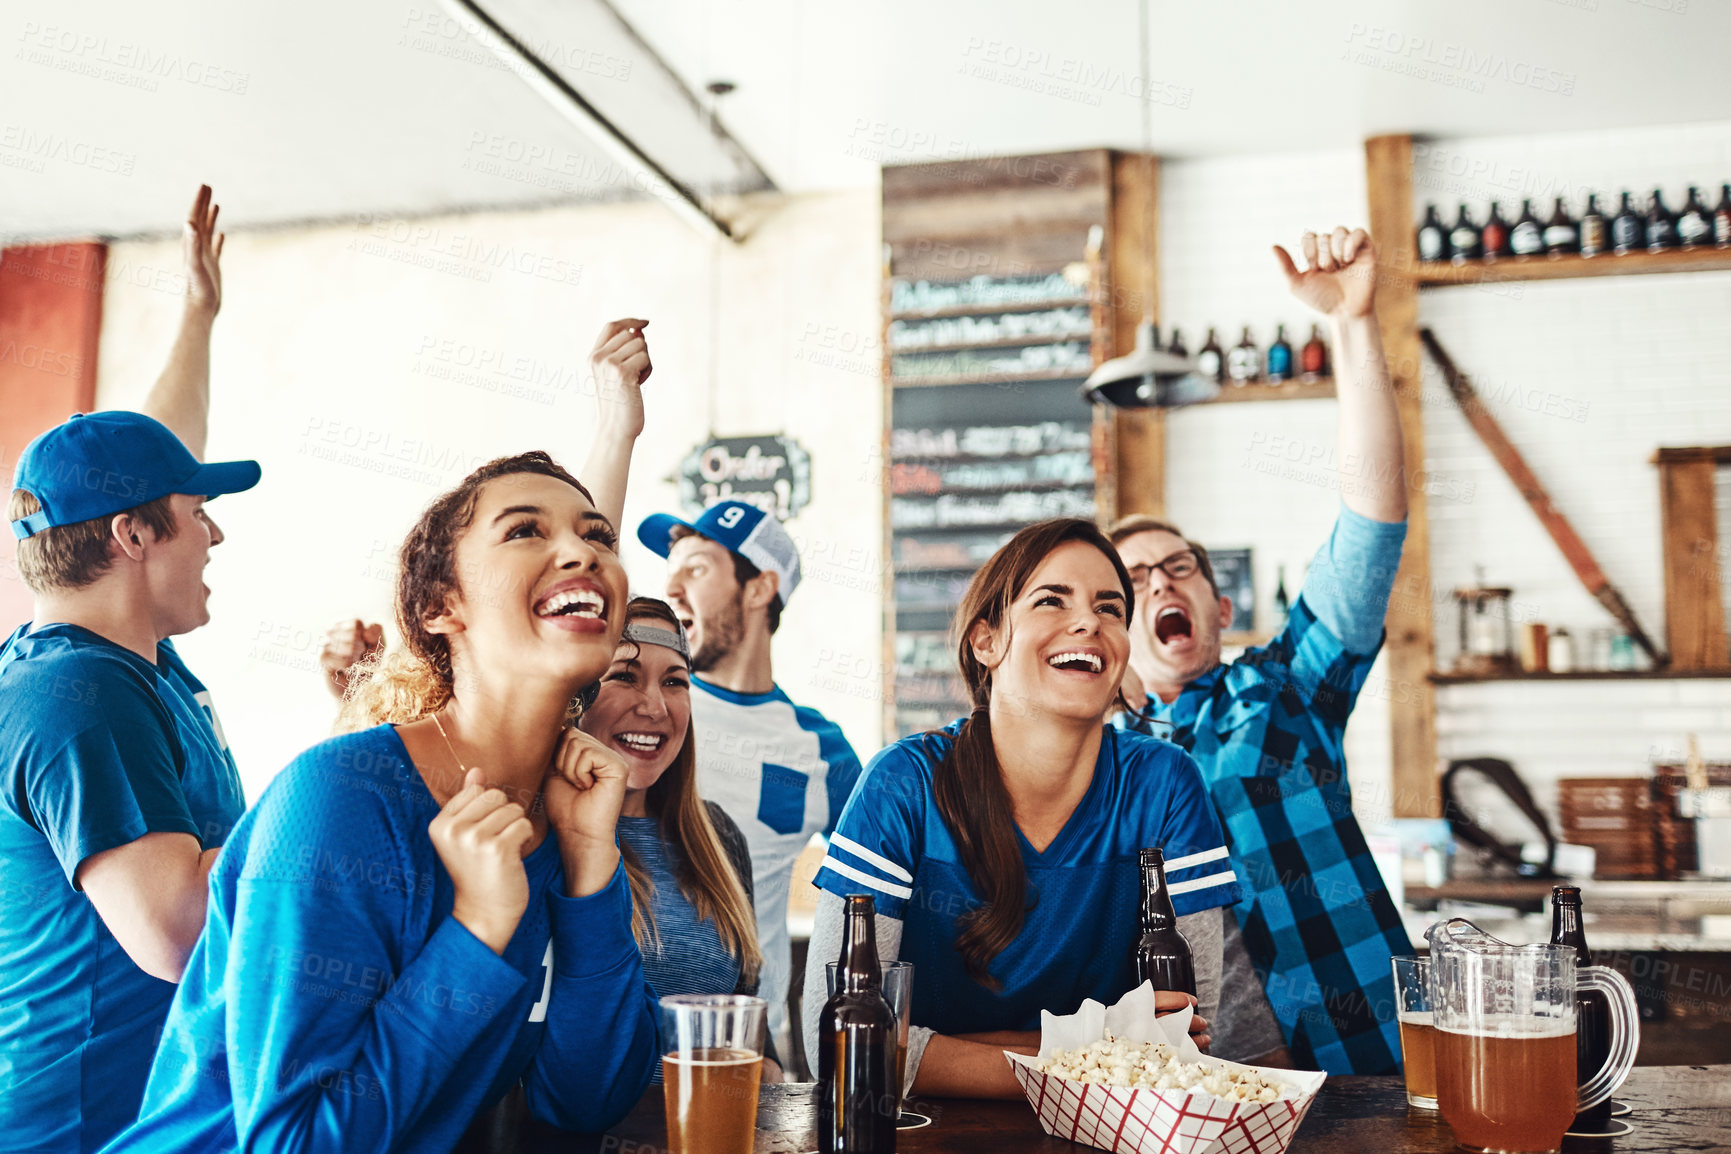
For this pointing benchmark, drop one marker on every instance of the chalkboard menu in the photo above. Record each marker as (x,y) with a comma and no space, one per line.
(988,433)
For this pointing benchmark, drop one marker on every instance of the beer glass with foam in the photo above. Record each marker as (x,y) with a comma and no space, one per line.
(1505,1038)
(711,1063)
(1417,1029)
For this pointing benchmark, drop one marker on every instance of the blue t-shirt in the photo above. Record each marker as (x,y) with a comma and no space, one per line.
(689,956)
(98,747)
(1077,940)
(333,1003)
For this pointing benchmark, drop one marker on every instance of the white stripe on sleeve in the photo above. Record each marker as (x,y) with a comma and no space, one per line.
(1219,879)
(847,871)
(877,859)
(1196,859)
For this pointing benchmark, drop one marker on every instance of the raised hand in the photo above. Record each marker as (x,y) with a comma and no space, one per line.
(201,247)
(480,836)
(1339,278)
(620,361)
(583,794)
(347,643)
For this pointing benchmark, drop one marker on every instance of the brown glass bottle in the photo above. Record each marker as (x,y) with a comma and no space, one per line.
(1211,358)
(1162,955)
(1495,235)
(856,1046)
(1314,358)
(1592,1010)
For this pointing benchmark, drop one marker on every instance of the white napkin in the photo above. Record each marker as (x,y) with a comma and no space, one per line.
(1133,1019)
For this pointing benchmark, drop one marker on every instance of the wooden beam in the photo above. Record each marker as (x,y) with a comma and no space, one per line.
(1410,647)
(1139,434)
(1694,613)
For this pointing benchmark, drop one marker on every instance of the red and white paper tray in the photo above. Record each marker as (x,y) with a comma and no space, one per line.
(1143,1121)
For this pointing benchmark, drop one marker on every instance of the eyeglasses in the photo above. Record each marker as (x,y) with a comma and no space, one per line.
(1180,565)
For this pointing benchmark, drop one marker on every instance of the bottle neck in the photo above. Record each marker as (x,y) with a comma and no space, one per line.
(1156,912)
(860,969)
(1567,930)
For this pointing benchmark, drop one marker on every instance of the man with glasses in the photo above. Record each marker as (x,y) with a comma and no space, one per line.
(1306,975)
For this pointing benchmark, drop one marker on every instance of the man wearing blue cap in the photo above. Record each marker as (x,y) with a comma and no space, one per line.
(116,784)
(781,771)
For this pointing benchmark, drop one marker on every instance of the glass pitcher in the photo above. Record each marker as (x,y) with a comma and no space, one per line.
(1505,1042)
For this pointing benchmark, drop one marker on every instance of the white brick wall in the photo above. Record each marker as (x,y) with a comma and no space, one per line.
(1587,377)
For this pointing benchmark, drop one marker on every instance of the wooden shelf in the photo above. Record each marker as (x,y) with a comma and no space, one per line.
(995,343)
(1434,274)
(989,310)
(1077,375)
(1288,391)
(1440,678)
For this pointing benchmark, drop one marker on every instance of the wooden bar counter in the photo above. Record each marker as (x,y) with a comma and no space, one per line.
(1676,1108)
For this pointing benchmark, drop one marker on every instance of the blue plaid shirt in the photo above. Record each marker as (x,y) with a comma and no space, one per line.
(1267,732)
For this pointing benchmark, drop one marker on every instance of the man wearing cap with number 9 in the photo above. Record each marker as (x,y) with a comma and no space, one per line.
(781,771)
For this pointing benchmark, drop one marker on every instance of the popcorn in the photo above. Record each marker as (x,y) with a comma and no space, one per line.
(1156,1066)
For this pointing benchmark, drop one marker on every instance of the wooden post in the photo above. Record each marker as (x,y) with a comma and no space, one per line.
(1140,434)
(1694,614)
(1410,648)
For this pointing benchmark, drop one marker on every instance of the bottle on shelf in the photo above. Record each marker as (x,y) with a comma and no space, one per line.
(1176,345)
(1282,603)
(856,1056)
(1495,235)
(1244,361)
(1465,240)
(1279,358)
(1661,224)
(1593,228)
(1433,238)
(1592,1010)
(1695,222)
(1722,218)
(1628,230)
(1561,233)
(1211,359)
(1313,358)
(1527,238)
(1162,956)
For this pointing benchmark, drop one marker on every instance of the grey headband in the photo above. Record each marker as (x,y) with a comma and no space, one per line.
(655,635)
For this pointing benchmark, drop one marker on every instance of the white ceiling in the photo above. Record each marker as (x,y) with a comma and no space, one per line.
(111,112)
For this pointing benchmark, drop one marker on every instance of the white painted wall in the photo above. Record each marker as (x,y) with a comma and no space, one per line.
(1588,377)
(368,368)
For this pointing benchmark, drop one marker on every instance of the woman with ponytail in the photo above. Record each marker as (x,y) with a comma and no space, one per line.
(1002,849)
(418,916)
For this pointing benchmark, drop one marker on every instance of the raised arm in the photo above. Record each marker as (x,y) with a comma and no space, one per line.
(620,362)
(1339,281)
(180,398)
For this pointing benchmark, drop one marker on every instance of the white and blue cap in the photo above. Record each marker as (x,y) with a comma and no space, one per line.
(739,526)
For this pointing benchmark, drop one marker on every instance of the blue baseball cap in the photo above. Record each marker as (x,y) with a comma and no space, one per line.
(98,464)
(740,526)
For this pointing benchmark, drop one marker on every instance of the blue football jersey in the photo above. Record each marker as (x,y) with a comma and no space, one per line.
(1078,935)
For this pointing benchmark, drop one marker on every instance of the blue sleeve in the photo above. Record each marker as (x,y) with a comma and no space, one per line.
(112,780)
(1351,576)
(1199,872)
(600,1048)
(304,908)
(843,765)
(874,848)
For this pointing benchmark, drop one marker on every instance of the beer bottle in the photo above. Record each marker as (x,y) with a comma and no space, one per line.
(1661,224)
(1592,1010)
(1282,603)
(1592,227)
(1495,236)
(1628,231)
(1314,357)
(856,1051)
(1465,241)
(1176,345)
(1279,357)
(1162,954)
(1527,237)
(1433,238)
(1695,224)
(1244,361)
(1722,218)
(1561,235)
(1211,359)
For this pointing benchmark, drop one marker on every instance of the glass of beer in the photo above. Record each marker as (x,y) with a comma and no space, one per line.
(899,993)
(711,1062)
(1417,1030)
(1505,1038)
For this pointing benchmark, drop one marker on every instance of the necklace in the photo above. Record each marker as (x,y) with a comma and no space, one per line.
(461,768)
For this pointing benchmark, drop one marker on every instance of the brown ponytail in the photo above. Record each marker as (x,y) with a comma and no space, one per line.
(968,784)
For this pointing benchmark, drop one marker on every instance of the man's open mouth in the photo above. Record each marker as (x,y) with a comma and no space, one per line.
(1170,623)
